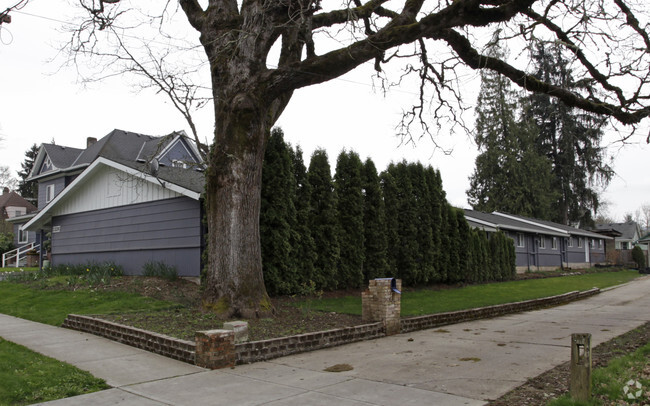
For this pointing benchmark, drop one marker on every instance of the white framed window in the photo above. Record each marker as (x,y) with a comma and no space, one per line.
(600,243)
(176,163)
(579,242)
(23,236)
(592,243)
(520,240)
(554,243)
(570,242)
(49,193)
(542,243)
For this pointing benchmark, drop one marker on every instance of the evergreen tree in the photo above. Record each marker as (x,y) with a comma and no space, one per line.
(348,186)
(425,256)
(407,250)
(435,203)
(510,175)
(323,221)
(570,139)
(374,220)
(453,272)
(28,189)
(390,192)
(464,246)
(277,214)
(444,259)
(303,247)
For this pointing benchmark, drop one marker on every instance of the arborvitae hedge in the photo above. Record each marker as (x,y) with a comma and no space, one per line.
(320,232)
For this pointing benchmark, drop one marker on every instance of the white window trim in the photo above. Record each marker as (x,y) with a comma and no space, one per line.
(570,243)
(49,193)
(521,242)
(177,163)
(23,236)
(542,243)
(579,242)
(554,244)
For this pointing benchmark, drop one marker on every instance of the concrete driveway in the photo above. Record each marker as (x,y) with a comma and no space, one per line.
(462,364)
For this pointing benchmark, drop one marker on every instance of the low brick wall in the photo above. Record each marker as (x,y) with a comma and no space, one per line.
(279,347)
(441,319)
(160,344)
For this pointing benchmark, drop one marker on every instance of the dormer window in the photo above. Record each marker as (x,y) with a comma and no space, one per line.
(176,163)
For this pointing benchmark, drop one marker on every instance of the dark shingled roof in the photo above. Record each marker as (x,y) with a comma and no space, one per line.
(569,229)
(16,200)
(509,224)
(186,178)
(61,157)
(117,145)
(627,230)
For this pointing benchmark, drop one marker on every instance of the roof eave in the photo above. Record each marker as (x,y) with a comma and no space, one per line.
(43,217)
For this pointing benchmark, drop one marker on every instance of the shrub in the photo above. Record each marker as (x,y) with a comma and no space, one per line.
(638,257)
(6,242)
(160,270)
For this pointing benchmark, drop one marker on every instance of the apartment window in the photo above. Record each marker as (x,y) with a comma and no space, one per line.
(600,243)
(49,193)
(554,243)
(542,243)
(570,242)
(520,240)
(23,236)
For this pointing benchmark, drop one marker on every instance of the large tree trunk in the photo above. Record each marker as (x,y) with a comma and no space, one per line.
(235,284)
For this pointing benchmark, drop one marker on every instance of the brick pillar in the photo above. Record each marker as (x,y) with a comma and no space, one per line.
(381,303)
(215,349)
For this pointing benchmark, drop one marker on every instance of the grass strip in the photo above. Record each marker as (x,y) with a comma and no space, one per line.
(13,269)
(427,301)
(52,306)
(608,383)
(28,377)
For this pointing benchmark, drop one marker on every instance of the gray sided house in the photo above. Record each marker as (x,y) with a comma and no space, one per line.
(626,237)
(127,198)
(543,245)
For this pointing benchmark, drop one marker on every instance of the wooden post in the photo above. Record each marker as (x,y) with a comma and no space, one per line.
(580,383)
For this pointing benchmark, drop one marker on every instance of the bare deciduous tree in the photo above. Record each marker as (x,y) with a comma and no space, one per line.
(431,40)
(6,180)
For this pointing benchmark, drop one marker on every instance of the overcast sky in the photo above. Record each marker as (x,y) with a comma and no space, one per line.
(41,102)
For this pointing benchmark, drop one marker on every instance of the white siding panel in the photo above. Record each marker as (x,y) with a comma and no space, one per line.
(109,187)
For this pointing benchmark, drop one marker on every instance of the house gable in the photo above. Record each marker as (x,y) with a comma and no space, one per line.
(178,151)
(107,184)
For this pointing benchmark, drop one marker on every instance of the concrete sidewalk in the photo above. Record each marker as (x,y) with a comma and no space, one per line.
(462,364)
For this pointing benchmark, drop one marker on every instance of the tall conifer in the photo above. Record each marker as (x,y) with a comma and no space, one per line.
(302,243)
(349,192)
(277,214)
(323,221)
(374,220)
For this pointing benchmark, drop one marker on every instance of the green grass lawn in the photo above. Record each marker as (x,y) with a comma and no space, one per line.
(424,301)
(52,306)
(608,383)
(14,269)
(27,377)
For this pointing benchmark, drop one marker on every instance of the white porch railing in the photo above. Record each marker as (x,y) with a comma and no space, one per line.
(13,258)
